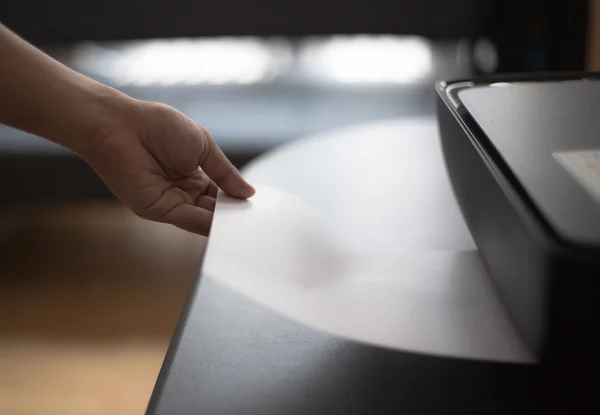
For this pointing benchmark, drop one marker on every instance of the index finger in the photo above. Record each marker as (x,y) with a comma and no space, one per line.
(218,167)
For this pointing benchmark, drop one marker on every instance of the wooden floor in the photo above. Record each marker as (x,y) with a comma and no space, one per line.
(89,298)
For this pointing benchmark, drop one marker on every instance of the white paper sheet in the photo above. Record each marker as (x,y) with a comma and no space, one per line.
(279,251)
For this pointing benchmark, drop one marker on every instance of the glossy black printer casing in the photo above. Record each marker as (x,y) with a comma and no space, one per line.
(508,144)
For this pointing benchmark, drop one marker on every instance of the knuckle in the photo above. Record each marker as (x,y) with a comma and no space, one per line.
(161,107)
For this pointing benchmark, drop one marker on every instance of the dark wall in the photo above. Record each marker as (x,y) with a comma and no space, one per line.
(42,21)
(531,35)
(540,35)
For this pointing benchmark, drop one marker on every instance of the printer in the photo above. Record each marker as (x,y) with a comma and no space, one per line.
(523,156)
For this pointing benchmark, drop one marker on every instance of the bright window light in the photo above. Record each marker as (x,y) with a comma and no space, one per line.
(360,59)
(184,61)
(368,59)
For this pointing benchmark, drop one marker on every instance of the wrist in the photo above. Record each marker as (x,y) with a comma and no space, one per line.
(104,112)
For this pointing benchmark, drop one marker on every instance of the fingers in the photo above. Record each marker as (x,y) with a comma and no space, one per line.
(212,189)
(190,218)
(206,202)
(222,172)
(197,185)
(186,207)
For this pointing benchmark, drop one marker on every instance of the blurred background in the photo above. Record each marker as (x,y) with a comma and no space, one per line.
(89,294)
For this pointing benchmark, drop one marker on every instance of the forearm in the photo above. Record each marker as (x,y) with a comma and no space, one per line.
(44,97)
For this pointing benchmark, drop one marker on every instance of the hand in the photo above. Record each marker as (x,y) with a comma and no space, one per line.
(164,166)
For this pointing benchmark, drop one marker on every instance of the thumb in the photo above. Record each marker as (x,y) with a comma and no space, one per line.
(216,165)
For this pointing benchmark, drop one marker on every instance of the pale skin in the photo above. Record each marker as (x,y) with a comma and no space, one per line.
(163,165)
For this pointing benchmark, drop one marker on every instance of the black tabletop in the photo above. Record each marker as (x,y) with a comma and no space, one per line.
(233,356)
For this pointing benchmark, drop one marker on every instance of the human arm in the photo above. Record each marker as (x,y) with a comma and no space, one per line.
(163,165)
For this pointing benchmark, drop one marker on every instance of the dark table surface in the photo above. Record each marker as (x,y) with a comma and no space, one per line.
(233,356)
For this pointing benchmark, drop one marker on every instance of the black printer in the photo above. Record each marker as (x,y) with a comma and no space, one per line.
(523,156)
